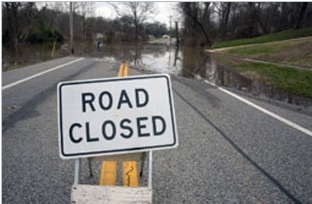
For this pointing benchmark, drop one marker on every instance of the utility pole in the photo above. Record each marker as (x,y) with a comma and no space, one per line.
(170,29)
(82,31)
(177,33)
(71,29)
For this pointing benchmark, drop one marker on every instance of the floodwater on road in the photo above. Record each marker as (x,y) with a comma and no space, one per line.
(181,61)
(192,63)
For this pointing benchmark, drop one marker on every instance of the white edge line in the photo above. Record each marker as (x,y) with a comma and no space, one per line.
(291,124)
(39,74)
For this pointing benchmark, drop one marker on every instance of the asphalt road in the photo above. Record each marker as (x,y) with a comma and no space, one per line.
(229,152)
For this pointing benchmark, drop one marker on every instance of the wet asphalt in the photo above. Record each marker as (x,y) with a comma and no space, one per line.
(228,151)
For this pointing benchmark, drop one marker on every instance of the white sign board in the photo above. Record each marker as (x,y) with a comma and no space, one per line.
(115,115)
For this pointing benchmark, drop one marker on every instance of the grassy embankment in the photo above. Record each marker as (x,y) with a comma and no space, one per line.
(296,52)
(284,35)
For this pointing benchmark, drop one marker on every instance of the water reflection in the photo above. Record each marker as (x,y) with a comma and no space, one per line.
(188,62)
(29,55)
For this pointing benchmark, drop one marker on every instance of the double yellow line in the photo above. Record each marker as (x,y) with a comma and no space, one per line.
(129,168)
(123,70)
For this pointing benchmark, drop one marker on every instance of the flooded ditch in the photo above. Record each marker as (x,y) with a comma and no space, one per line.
(29,55)
(188,62)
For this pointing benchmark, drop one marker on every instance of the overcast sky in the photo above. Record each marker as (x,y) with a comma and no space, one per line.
(165,9)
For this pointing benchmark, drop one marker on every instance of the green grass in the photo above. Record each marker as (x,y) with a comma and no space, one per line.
(254,50)
(295,81)
(293,52)
(284,35)
(285,78)
(154,39)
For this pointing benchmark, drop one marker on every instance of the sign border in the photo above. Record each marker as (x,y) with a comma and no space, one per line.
(122,151)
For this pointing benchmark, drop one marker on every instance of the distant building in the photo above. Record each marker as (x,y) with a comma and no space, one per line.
(165,36)
(151,36)
(99,37)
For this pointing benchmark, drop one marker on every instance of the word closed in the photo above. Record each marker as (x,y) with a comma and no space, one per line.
(116,115)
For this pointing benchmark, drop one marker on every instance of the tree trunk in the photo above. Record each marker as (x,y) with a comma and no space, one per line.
(204,31)
(12,17)
(82,29)
(227,15)
(136,25)
(256,14)
(302,12)
(198,23)
(136,32)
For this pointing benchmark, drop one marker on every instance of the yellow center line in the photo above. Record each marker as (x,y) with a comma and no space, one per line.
(130,174)
(126,70)
(129,168)
(122,65)
(108,173)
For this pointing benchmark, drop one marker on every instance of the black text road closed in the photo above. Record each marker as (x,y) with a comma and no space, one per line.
(115,115)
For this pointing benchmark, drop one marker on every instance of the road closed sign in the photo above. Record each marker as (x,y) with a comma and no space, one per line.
(115,115)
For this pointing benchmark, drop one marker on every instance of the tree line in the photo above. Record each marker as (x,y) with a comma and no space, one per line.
(37,23)
(205,22)
(202,23)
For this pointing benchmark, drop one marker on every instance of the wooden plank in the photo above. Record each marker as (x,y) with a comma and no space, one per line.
(87,194)
(108,173)
(130,174)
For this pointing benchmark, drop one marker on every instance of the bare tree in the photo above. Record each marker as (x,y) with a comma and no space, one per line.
(301,14)
(196,15)
(223,10)
(140,11)
(255,13)
(56,9)
(84,10)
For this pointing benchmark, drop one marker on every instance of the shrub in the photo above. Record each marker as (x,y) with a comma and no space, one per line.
(44,35)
